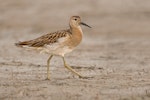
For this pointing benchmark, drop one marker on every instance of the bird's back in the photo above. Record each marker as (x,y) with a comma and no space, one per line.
(45,39)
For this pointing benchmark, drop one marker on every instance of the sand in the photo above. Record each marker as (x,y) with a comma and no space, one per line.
(115,52)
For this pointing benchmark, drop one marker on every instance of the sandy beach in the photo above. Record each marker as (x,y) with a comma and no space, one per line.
(115,52)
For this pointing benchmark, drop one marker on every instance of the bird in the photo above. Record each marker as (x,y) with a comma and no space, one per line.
(58,43)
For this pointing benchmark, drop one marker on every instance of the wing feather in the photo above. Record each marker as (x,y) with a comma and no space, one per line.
(45,39)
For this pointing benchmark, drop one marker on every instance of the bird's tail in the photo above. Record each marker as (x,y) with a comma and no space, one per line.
(21,44)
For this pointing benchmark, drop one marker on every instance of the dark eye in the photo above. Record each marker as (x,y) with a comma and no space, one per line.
(75,19)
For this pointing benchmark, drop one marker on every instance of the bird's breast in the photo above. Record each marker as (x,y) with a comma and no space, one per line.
(75,37)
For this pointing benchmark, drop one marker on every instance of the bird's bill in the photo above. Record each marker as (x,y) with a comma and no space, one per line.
(85,25)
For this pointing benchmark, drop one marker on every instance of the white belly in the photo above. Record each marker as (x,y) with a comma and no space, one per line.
(61,51)
(54,50)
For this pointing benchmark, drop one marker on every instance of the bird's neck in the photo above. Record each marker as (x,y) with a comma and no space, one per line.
(77,34)
(77,31)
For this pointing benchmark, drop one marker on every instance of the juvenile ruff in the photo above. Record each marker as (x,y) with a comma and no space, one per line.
(58,43)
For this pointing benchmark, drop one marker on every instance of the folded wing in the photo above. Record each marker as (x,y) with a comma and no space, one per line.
(45,39)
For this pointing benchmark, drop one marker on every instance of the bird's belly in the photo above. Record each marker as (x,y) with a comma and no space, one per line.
(60,50)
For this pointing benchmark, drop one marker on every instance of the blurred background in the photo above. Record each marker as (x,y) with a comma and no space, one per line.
(115,51)
(19,19)
(105,16)
(25,19)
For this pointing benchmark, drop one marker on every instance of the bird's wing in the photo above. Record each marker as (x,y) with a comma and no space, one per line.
(45,39)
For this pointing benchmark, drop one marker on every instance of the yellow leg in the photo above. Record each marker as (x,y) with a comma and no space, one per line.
(69,68)
(48,65)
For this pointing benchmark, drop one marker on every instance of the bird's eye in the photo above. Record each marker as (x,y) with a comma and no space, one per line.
(75,19)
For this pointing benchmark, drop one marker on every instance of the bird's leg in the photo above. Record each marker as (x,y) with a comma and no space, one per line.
(69,68)
(48,65)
